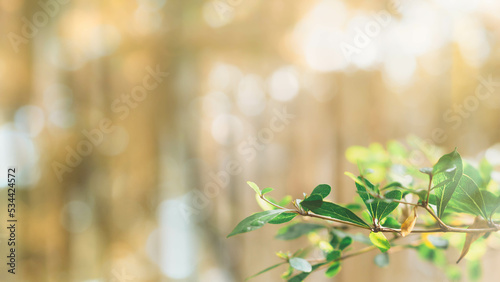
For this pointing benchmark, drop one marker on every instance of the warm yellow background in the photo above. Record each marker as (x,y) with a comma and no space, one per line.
(231,64)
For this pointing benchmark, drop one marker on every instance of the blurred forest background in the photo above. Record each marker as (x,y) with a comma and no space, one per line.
(135,125)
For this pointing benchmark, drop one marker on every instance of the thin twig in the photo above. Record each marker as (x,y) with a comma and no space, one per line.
(271,203)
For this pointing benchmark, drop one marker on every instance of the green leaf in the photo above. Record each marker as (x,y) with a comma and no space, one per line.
(283,218)
(265,270)
(254,187)
(353,177)
(491,201)
(333,270)
(300,277)
(346,242)
(384,208)
(353,207)
(378,239)
(338,212)
(333,255)
(468,194)
(447,174)
(267,190)
(391,222)
(312,202)
(300,264)
(368,199)
(393,184)
(323,190)
(255,221)
(297,230)
(473,173)
(382,260)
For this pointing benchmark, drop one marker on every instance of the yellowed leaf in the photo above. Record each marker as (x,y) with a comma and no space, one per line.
(471,237)
(409,223)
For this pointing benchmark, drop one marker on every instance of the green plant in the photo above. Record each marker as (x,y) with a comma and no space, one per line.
(451,204)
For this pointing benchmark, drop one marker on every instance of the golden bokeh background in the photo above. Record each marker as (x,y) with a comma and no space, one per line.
(134,125)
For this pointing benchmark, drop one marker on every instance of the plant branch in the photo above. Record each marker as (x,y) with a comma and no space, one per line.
(271,203)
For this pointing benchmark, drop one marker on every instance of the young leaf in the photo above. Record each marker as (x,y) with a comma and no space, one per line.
(265,205)
(378,239)
(353,177)
(447,173)
(338,212)
(312,202)
(384,208)
(381,260)
(283,218)
(409,223)
(266,190)
(300,264)
(346,242)
(323,190)
(254,187)
(255,221)
(333,270)
(471,237)
(265,270)
(297,230)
